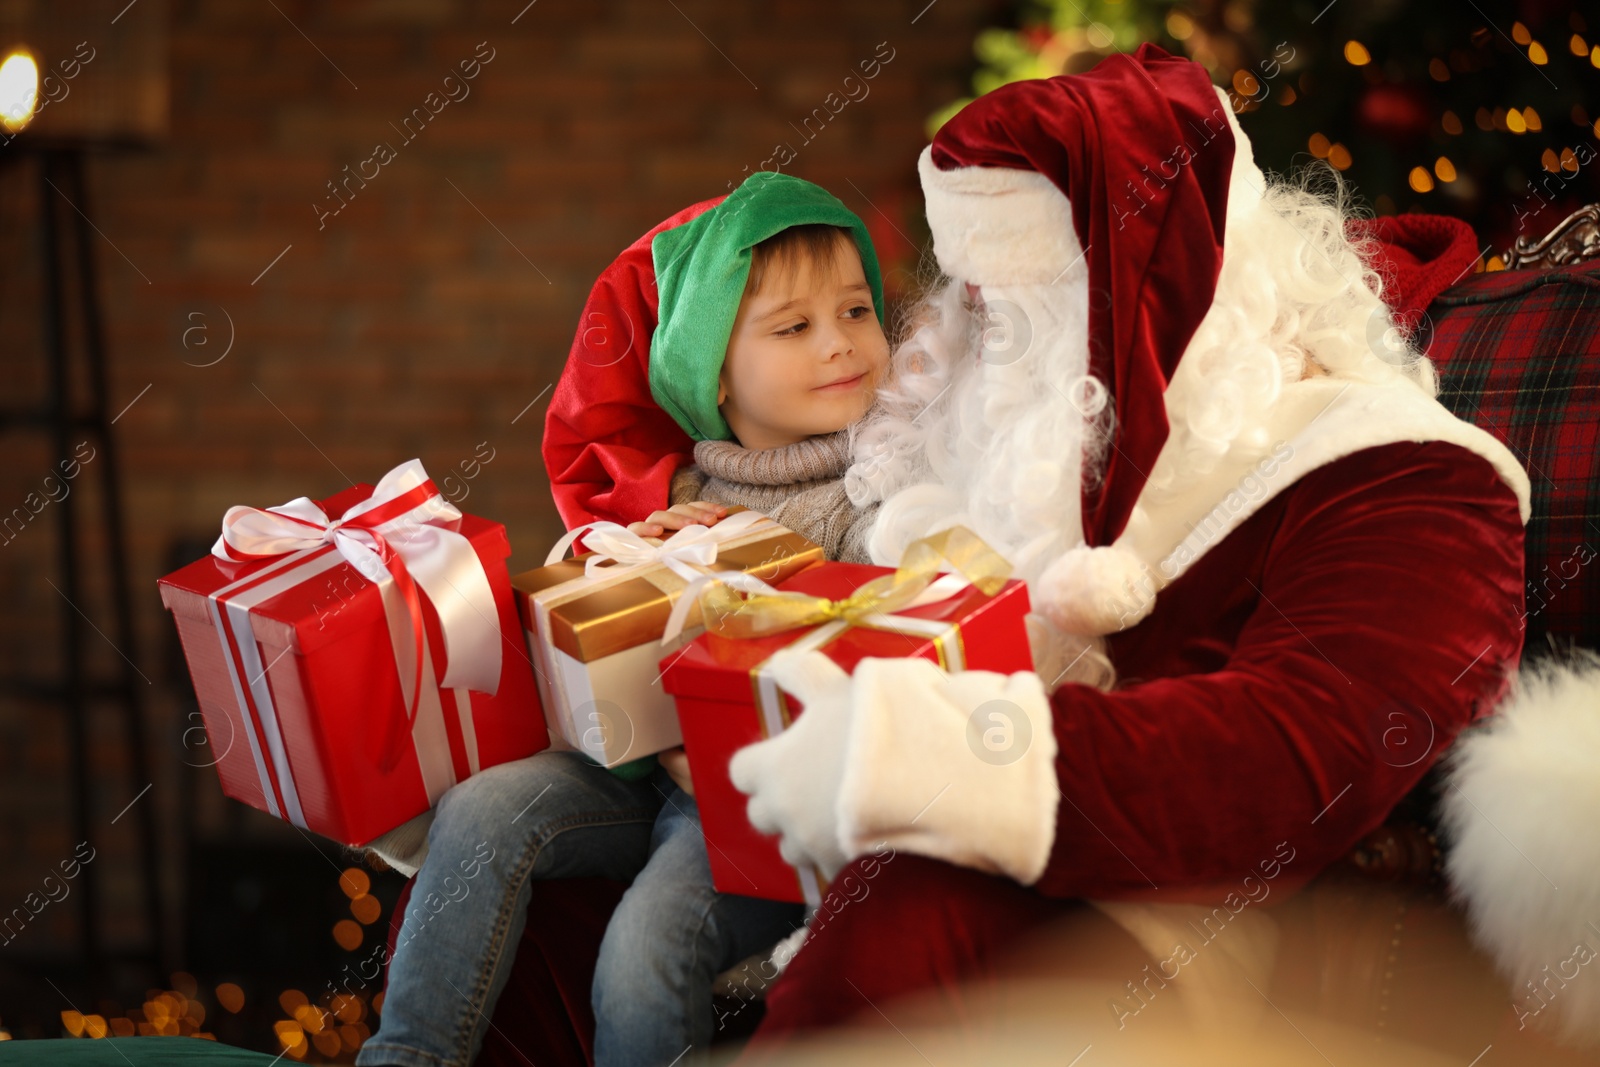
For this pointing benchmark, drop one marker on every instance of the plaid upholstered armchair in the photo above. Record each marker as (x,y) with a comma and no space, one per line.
(1518,353)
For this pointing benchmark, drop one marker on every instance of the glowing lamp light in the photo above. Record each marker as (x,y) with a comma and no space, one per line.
(19,90)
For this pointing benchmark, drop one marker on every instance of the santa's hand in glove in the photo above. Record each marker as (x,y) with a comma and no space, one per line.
(960,767)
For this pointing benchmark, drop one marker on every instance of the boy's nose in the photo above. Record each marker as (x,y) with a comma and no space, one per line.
(837,342)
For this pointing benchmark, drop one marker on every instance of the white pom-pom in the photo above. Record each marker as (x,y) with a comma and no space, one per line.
(1521,808)
(1096,590)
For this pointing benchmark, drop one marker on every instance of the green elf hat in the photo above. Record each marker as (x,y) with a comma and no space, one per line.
(701,269)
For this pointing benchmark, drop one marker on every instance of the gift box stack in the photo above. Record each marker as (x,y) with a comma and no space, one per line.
(727,699)
(349,670)
(595,623)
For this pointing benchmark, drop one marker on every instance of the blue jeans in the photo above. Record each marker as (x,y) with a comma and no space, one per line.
(555,815)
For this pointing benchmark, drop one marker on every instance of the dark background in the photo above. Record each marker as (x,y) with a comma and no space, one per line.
(428,318)
(432,314)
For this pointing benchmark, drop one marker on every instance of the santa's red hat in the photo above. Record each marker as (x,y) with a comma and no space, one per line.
(1146,178)
(1134,170)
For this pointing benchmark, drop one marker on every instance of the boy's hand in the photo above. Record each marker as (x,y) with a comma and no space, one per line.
(676,761)
(678,516)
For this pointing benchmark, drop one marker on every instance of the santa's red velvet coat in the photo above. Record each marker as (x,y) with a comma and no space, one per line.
(1283,696)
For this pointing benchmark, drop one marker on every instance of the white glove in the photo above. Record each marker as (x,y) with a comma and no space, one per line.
(793,779)
(959,767)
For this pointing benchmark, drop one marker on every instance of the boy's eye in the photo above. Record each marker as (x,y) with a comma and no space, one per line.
(858,311)
(791,331)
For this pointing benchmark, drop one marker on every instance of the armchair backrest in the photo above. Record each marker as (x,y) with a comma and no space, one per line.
(1518,354)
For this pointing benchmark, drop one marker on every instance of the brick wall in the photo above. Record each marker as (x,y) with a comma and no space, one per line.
(430,314)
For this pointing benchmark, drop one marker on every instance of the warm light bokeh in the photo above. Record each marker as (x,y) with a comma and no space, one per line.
(19,90)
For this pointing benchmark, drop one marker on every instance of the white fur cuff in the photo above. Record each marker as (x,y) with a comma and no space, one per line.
(957,767)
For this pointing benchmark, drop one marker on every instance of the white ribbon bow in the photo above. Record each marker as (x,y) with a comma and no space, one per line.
(405,513)
(687,553)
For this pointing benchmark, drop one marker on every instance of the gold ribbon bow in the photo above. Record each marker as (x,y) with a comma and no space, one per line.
(731,613)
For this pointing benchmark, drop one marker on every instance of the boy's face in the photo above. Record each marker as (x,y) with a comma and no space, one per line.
(807,353)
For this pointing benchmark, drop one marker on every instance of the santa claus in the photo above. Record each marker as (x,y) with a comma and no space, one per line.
(1273,577)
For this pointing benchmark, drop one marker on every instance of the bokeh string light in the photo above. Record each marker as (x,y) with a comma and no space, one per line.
(328,1029)
(1376,92)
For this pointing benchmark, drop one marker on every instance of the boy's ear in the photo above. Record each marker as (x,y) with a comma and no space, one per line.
(722,389)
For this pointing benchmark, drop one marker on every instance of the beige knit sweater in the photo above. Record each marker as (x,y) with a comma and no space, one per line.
(799,486)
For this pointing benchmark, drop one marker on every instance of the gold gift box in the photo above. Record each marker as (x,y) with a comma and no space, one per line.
(596,641)
(590,620)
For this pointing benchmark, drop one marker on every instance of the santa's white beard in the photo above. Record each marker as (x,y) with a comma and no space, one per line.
(985,425)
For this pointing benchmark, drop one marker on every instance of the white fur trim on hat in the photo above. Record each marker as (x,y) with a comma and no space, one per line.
(997,225)
(1003,226)
(1520,807)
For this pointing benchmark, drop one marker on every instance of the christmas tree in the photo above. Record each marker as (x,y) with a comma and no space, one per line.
(1477,112)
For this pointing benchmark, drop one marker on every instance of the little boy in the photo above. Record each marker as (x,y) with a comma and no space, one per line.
(804,361)
(769,345)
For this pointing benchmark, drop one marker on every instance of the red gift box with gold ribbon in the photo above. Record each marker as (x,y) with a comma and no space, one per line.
(726,700)
(354,658)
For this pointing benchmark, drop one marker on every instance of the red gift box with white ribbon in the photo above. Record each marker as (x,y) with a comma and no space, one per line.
(727,699)
(355,658)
